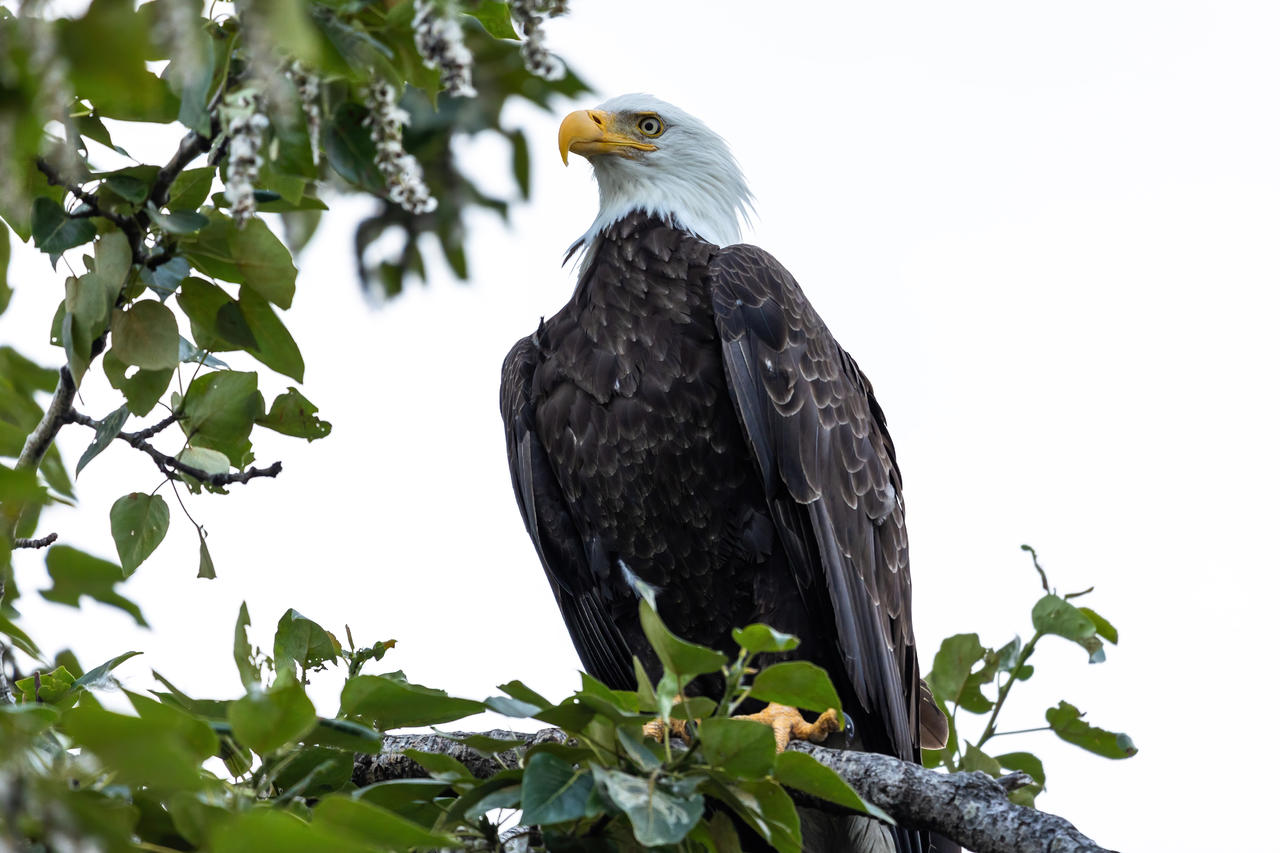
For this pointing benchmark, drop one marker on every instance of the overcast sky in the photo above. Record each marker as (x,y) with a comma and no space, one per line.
(1049,234)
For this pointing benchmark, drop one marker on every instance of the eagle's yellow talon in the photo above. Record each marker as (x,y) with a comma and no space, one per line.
(679,728)
(787,723)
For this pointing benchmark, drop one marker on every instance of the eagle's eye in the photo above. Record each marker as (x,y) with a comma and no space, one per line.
(650,126)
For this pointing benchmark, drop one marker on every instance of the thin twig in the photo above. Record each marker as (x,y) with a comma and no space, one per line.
(1035,561)
(42,542)
(171,466)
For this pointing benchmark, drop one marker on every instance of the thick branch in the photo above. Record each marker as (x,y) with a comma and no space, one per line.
(971,808)
(54,417)
(171,466)
(42,542)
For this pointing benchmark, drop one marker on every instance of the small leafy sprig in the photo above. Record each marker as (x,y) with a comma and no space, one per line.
(964,666)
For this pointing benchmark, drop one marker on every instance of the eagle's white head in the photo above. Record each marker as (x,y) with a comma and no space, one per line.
(651,156)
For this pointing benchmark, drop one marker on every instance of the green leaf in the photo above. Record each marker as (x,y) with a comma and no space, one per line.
(138,525)
(6,292)
(1068,723)
(1024,761)
(385,703)
(797,683)
(128,187)
(109,70)
(87,311)
(206,460)
(553,791)
(54,230)
(99,675)
(108,428)
(767,809)
(519,690)
(520,165)
(656,816)
(802,772)
(264,721)
(142,390)
(76,574)
(1105,629)
(301,642)
(953,665)
(740,748)
(1053,615)
(760,638)
(165,278)
(509,707)
(677,655)
(273,345)
(495,17)
(251,256)
(445,768)
(279,832)
(18,638)
(190,189)
(250,676)
(350,149)
(368,824)
(162,751)
(219,410)
(483,743)
(293,414)
(191,354)
(113,259)
(54,687)
(205,305)
(146,336)
(178,221)
(975,759)
(345,735)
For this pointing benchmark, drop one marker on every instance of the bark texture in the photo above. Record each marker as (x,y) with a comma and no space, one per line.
(970,808)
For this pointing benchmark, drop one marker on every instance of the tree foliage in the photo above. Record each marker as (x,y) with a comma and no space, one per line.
(178,276)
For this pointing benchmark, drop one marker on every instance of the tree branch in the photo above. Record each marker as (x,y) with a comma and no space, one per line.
(970,808)
(171,466)
(42,542)
(54,417)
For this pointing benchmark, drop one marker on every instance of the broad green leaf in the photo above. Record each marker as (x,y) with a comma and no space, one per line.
(974,759)
(6,292)
(345,735)
(1053,615)
(146,336)
(54,230)
(251,256)
(293,414)
(190,189)
(18,638)
(87,312)
(443,767)
(802,772)
(759,638)
(142,390)
(1024,761)
(384,703)
(519,690)
(656,816)
(483,743)
(219,410)
(500,791)
(165,278)
(109,68)
(99,675)
(113,259)
(273,345)
(366,823)
(195,733)
(203,304)
(509,707)
(264,721)
(641,750)
(553,791)
(189,75)
(677,655)
(138,525)
(304,643)
(128,187)
(520,165)
(350,149)
(280,832)
(250,676)
(191,354)
(953,664)
(75,574)
(740,748)
(206,460)
(108,428)
(797,683)
(769,811)
(495,17)
(178,221)
(158,752)
(1105,629)
(411,798)
(1068,723)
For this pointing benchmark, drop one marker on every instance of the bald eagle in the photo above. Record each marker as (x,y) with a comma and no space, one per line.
(689,421)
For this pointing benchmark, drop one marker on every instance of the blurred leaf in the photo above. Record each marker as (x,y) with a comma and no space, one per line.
(741,748)
(446,768)
(54,230)
(54,686)
(18,638)
(177,222)
(759,638)
(100,674)
(1068,723)
(369,824)
(108,45)
(656,816)
(345,735)
(219,411)
(385,703)
(802,772)
(350,149)
(6,292)
(767,809)
(303,642)
(264,721)
(520,166)
(273,345)
(483,743)
(146,336)
(293,414)
(796,683)
(251,256)
(160,752)
(552,791)
(975,759)
(206,570)
(279,832)
(495,17)
(165,278)
(1024,761)
(138,525)
(243,652)
(75,574)
(411,798)
(108,428)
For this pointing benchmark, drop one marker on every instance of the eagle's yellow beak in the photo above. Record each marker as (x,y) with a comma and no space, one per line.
(591,132)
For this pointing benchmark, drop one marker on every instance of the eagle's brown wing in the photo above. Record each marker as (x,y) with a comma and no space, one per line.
(832,482)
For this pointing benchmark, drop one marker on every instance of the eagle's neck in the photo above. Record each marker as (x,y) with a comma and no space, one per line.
(706,200)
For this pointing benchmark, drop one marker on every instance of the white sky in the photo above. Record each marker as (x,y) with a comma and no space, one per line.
(1049,235)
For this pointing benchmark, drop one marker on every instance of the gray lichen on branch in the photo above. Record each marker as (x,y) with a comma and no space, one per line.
(973,809)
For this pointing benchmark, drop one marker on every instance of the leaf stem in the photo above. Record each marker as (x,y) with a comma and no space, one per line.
(990,731)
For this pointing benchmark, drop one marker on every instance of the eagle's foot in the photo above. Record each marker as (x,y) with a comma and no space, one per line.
(680,728)
(787,724)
